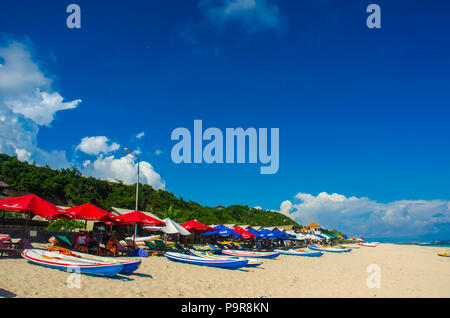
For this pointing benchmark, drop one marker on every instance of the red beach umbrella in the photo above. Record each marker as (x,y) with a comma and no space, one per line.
(90,212)
(197,227)
(31,204)
(245,234)
(138,218)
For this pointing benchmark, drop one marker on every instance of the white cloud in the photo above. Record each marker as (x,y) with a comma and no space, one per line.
(23,155)
(257,207)
(140,135)
(123,169)
(40,106)
(253,15)
(286,208)
(96,145)
(362,216)
(26,103)
(19,72)
(158,152)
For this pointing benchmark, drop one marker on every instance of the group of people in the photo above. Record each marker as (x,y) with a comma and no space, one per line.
(86,242)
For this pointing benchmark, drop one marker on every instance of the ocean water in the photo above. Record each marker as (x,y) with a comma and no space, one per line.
(411,241)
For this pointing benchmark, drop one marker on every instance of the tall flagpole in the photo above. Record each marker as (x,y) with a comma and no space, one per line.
(137,192)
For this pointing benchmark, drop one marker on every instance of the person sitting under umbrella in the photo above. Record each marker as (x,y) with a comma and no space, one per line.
(111,245)
(81,242)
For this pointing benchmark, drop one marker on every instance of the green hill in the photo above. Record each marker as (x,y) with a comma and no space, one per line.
(69,188)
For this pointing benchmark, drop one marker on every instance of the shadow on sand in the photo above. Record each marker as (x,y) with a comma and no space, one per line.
(6,294)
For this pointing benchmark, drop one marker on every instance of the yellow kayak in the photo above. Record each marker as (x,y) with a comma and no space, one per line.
(444,254)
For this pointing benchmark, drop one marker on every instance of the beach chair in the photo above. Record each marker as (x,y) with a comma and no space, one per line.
(153,248)
(221,246)
(179,246)
(213,247)
(164,248)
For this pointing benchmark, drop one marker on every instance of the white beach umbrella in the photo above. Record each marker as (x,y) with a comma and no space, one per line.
(171,227)
(301,236)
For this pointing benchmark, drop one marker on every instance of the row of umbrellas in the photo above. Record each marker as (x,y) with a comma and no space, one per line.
(222,230)
(32,204)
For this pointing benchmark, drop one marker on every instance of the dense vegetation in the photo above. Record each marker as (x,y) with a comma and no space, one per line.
(69,188)
(65,225)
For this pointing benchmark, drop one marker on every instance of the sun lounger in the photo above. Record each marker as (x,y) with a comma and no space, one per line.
(153,248)
(179,246)
(164,248)
(221,246)
(214,248)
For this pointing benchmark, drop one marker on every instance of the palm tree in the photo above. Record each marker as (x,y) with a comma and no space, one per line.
(170,213)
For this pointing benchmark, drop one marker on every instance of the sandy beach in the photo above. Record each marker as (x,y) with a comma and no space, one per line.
(406,271)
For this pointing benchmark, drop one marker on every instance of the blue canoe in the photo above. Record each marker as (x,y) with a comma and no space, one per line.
(195,260)
(56,261)
(130,267)
(328,249)
(299,253)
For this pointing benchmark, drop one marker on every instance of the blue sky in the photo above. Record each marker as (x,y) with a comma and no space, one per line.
(363,113)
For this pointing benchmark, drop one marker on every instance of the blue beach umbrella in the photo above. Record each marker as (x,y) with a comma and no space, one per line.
(255,232)
(266,233)
(280,234)
(222,230)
